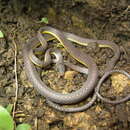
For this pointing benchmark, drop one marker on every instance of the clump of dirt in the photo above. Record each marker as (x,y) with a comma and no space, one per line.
(99,19)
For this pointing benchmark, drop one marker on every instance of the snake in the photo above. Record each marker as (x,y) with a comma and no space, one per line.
(80,41)
(47,92)
(66,39)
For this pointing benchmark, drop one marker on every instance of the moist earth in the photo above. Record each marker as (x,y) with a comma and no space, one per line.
(99,19)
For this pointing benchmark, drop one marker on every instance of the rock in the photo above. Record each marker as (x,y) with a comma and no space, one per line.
(69,75)
(23,75)
(119,82)
(98,109)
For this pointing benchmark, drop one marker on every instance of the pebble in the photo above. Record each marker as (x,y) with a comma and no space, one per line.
(119,82)
(69,75)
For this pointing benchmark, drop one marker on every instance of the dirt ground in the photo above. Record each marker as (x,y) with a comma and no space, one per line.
(99,19)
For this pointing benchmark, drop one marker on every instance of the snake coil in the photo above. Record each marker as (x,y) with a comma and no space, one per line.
(56,99)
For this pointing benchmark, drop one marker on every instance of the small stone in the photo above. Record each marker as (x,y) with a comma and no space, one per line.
(23,75)
(119,82)
(98,109)
(69,75)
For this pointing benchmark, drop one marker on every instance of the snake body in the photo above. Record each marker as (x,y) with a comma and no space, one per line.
(80,41)
(66,39)
(56,97)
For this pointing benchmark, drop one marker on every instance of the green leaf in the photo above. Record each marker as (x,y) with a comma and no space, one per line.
(9,108)
(6,121)
(44,20)
(1,34)
(23,127)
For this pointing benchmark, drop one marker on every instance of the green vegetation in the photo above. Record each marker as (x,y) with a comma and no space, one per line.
(1,34)
(44,20)
(6,121)
(23,127)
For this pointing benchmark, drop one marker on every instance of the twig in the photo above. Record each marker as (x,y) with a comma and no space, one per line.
(16,77)
(36,123)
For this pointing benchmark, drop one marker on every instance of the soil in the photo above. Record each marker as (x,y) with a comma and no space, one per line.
(99,19)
